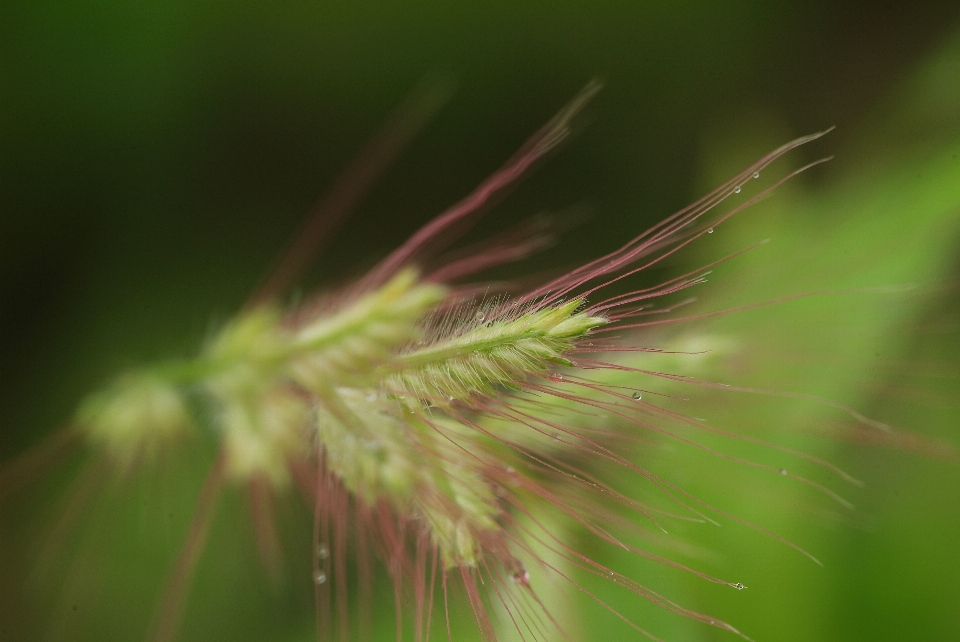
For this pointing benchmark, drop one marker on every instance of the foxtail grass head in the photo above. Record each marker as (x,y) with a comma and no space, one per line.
(426,429)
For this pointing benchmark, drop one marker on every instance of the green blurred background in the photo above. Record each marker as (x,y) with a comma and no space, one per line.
(156,158)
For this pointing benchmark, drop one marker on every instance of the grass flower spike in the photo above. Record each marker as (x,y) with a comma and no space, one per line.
(430,430)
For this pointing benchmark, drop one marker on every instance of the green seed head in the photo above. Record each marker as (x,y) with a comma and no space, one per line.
(135,419)
(480,358)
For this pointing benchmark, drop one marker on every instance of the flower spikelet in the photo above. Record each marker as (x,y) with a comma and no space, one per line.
(135,419)
(500,352)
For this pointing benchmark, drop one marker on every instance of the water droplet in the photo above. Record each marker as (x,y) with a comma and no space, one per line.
(556,376)
(556,437)
(520,577)
(319,577)
(322,551)
(736,190)
(783,471)
(710,231)
(636,396)
(756,174)
(510,470)
(739,586)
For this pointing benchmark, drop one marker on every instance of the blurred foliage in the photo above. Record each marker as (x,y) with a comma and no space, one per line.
(156,158)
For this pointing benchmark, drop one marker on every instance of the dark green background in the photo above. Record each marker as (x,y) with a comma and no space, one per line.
(156,157)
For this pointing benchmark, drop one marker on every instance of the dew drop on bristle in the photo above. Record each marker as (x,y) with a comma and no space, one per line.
(320,577)
(739,586)
(756,174)
(556,376)
(710,231)
(636,396)
(521,577)
(322,551)
(783,471)
(736,190)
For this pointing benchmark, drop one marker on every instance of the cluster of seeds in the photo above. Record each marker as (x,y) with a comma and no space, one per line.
(422,428)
